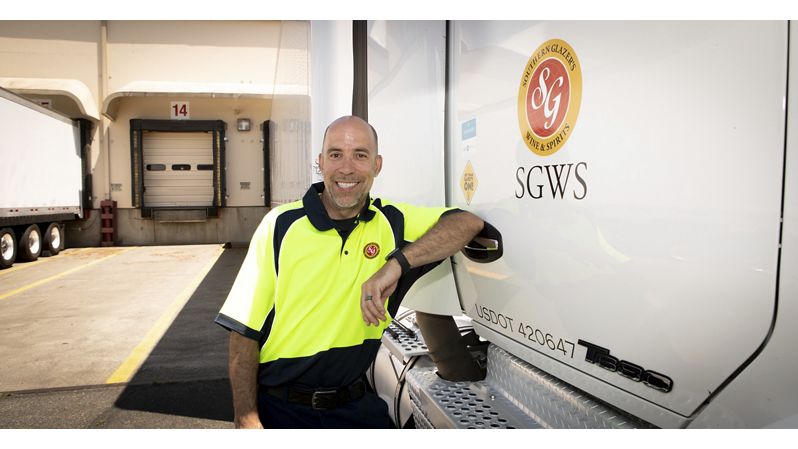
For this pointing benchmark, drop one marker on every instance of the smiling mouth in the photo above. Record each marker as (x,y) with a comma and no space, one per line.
(345,185)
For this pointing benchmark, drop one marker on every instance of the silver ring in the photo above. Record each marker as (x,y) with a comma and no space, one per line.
(369,298)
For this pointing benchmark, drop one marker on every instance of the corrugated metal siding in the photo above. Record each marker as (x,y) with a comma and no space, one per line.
(170,187)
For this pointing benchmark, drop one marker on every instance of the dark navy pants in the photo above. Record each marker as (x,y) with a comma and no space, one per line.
(368,412)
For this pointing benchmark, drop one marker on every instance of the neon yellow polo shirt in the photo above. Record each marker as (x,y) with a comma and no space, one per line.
(298,289)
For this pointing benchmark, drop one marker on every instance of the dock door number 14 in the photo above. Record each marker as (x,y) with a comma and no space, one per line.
(179,110)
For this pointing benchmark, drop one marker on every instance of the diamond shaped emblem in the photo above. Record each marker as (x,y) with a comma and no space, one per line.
(468,182)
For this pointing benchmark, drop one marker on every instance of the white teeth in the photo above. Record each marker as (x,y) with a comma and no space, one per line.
(346,185)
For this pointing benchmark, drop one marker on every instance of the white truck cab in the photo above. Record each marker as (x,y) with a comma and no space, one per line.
(642,176)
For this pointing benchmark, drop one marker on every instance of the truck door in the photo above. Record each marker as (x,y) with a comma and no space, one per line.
(635,172)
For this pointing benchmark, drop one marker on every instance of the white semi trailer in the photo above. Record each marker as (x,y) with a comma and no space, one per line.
(643,179)
(41,178)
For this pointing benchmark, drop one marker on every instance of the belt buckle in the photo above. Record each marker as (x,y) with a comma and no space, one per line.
(324,399)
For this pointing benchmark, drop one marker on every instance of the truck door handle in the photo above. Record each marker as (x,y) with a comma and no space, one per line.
(486,244)
(486,247)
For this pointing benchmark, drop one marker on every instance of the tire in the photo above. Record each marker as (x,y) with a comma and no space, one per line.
(8,248)
(30,244)
(53,239)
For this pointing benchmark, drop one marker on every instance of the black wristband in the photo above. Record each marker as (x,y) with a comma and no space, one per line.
(397,254)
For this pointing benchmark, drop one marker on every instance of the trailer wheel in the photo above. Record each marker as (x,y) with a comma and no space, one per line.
(30,244)
(8,248)
(53,239)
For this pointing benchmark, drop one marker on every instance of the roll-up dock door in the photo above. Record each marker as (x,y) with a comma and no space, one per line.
(178,169)
(178,165)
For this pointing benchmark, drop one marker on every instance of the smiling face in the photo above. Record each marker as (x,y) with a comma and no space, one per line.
(349,163)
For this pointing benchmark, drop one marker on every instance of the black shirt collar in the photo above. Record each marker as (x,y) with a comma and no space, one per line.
(317,214)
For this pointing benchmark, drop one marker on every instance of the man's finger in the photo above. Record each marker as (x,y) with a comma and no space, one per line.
(379,307)
(369,310)
(376,307)
(377,311)
(364,308)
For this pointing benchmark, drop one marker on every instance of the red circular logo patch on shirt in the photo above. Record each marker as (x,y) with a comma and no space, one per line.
(371,250)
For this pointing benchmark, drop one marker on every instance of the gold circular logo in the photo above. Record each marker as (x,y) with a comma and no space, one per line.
(371,250)
(549,97)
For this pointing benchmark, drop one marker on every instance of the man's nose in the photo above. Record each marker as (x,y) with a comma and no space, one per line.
(347,165)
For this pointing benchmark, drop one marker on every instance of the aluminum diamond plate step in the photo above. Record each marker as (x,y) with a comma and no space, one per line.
(457,405)
(513,395)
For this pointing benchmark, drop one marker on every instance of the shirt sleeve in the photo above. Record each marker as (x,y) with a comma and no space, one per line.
(251,297)
(418,220)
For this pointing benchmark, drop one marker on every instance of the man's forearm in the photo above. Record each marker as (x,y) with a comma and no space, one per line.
(449,235)
(243,365)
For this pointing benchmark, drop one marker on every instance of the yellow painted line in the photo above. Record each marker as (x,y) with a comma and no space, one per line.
(61,274)
(140,352)
(22,265)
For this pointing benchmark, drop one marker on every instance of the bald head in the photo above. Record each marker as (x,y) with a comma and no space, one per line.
(348,163)
(351,121)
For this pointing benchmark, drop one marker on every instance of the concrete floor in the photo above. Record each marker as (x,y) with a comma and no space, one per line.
(116,338)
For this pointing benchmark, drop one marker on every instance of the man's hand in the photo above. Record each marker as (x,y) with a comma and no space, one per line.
(376,290)
(249,421)
(448,236)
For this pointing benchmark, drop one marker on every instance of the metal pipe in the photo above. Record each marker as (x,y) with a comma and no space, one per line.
(105,141)
(447,348)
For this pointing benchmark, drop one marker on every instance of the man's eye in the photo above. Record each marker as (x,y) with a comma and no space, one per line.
(362,156)
(335,155)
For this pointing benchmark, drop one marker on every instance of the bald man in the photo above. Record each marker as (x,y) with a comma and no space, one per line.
(320,283)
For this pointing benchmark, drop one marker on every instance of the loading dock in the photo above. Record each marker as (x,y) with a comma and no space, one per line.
(111,72)
(116,338)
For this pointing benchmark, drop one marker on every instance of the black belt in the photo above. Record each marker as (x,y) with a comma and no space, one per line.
(322,398)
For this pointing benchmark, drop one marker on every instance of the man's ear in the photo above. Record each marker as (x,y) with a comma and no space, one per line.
(320,162)
(379,164)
